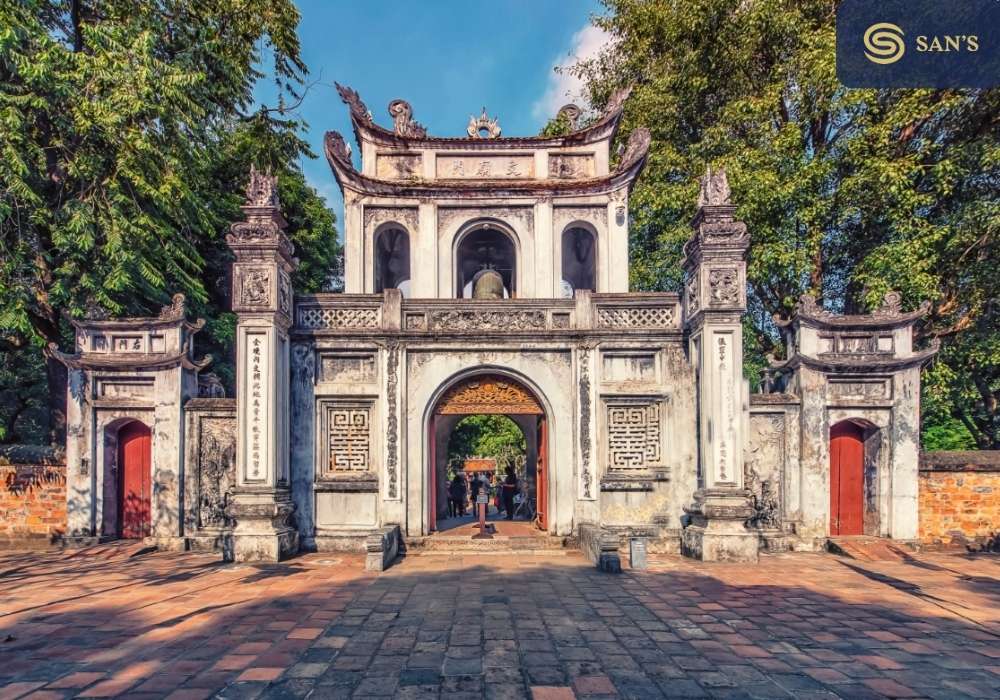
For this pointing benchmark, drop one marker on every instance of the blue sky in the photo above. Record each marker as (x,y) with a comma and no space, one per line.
(447,58)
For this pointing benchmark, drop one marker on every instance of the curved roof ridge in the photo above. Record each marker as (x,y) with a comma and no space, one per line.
(413,134)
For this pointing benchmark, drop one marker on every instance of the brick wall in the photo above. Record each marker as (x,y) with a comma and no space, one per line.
(960,499)
(32,495)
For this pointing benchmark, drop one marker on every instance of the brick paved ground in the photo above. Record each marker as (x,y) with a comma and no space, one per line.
(803,625)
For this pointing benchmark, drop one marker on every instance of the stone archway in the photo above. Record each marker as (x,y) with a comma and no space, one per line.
(490,394)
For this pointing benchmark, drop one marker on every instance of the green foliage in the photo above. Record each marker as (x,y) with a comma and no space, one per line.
(558,125)
(486,436)
(847,193)
(126,146)
(23,397)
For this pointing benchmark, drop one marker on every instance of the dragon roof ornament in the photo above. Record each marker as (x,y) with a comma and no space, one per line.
(402,120)
(714,190)
(635,149)
(262,189)
(617,101)
(571,114)
(482,123)
(353,100)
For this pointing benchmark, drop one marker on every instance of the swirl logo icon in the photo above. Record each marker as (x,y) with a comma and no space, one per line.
(884,43)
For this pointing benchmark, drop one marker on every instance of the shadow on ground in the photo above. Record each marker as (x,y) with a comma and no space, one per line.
(495,626)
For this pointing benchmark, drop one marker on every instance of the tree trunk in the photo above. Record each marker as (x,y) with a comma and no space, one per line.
(58,379)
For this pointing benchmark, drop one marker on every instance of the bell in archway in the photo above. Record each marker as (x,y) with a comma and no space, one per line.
(488,285)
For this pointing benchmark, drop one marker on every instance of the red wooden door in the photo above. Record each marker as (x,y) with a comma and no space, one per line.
(432,517)
(846,480)
(136,474)
(542,476)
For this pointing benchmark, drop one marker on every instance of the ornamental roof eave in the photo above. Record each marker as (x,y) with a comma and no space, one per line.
(869,362)
(349,178)
(130,362)
(173,314)
(808,313)
(367,130)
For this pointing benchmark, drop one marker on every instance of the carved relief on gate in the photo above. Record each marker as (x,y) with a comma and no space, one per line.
(216,470)
(254,286)
(488,395)
(346,431)
(763,468)
(724,286)
(634,434)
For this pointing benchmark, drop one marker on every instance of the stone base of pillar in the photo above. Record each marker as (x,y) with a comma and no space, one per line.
(717,531)
(262,531)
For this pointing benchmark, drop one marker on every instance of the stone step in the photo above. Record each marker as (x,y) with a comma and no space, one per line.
(869,548)
(443,543)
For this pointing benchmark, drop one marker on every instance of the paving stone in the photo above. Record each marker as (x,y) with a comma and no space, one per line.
(795,625)
(462,667)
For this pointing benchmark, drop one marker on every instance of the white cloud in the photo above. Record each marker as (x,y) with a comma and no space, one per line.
(564,87)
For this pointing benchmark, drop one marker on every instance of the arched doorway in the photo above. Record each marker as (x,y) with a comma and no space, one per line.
(490,394)
(392,260)
(485,247)
(135,477)
(579,260)
(847,479)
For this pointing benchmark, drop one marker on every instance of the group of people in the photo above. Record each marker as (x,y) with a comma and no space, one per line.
(462,493)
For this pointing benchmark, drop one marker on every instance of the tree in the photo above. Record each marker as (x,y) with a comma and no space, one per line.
(486,436)
(847,193)
(127,137)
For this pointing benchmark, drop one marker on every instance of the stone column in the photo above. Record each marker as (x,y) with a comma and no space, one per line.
(613,270)
(262,299)
(714,303)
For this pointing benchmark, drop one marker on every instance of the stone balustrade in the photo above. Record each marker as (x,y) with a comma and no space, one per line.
(648,312)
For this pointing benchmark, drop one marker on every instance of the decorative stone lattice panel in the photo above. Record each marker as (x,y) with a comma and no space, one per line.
(633,434)
(349,438)
(323,319)
(636,317)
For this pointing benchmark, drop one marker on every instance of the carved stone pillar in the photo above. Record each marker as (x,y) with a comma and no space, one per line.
(714,302)
(262,299)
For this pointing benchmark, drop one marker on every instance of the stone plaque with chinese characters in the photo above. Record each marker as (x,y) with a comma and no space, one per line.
(571,165)
(725,443)
(402,166)
(258,424)
(490,167)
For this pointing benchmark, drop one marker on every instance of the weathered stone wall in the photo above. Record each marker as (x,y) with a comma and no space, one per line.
(32,496)
(960,498)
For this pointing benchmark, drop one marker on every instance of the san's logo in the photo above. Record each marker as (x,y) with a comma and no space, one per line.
(884,43)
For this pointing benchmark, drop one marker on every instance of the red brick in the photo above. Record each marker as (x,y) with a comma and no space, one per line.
(551,692)
(594,685)
(262,673)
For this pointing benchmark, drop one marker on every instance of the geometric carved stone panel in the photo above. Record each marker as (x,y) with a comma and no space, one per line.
(349,438)
(633,434)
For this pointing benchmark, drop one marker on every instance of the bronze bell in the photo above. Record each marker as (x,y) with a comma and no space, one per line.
(488,285)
